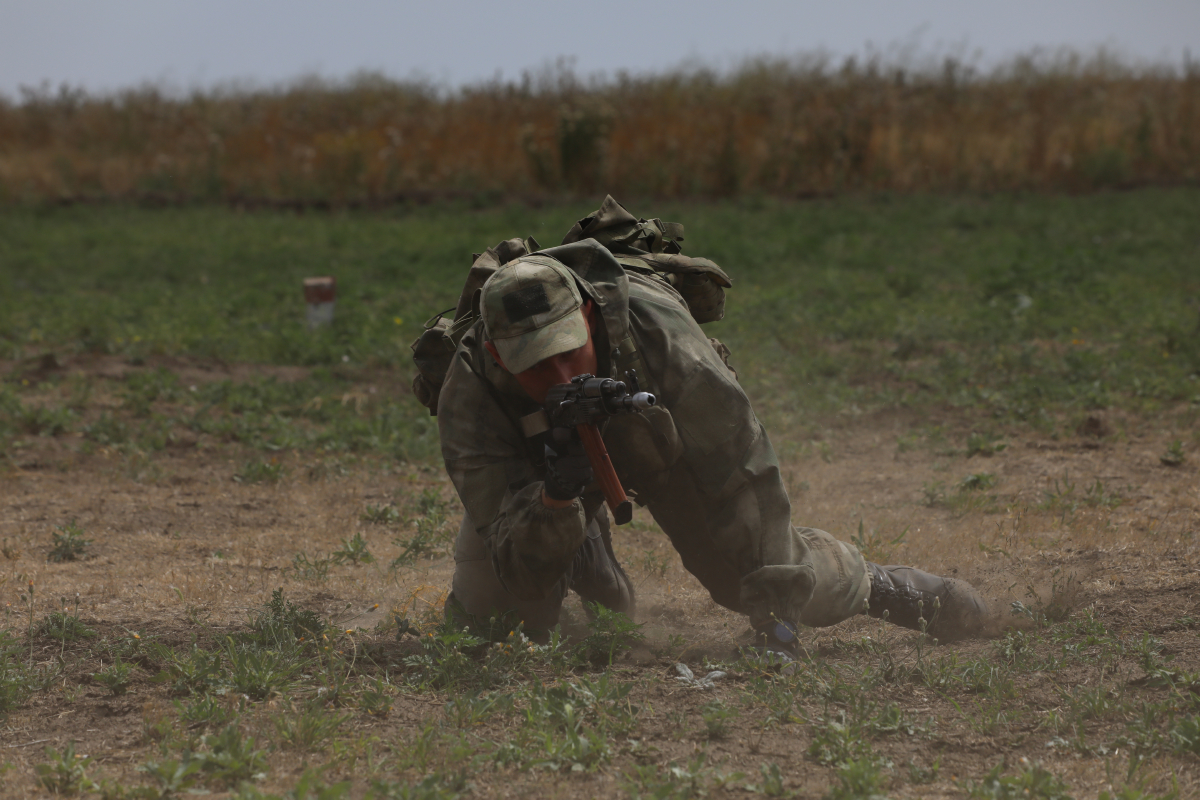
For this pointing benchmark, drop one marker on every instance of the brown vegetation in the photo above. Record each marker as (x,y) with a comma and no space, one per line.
(772,127)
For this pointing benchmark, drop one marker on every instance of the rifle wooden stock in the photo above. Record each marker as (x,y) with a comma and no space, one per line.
(614,493)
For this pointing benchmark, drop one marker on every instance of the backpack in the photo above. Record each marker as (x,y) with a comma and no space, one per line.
(434,349)
(640,245)
(656,246)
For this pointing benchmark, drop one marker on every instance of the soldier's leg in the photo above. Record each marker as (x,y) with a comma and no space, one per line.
(596,575)
(478,596)
(720,552)
(945,608)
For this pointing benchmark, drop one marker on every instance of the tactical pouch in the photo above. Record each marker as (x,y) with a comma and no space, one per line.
(434,348)
(624,234)
(433,351)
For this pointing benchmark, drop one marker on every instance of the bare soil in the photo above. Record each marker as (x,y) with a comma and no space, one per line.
(187,554)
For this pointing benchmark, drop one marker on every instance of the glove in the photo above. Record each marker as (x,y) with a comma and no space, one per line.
(568,470)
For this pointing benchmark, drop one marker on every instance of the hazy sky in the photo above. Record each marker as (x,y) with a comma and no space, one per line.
(111,44)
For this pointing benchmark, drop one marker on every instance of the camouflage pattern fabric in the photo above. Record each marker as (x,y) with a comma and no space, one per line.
(699,460)
(531,311)
(477,596)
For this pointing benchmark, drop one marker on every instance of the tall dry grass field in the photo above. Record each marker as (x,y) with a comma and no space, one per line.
(771,127)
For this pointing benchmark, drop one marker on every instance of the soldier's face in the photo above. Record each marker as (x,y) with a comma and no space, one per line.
(550,372)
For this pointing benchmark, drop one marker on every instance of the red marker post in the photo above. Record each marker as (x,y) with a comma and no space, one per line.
(320,294)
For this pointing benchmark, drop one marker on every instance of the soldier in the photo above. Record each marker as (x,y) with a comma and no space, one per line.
(699,460)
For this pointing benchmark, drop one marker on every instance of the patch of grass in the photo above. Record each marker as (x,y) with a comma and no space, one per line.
(205,711)
(977,482)
(874,545)
(259,673)
(173,776)
(654,563)
(381,514)
(979,444)
(860,779)
(693,779)
(311,569)
(116,677)
(280,623)
(67,543)
(716,716)
(1174,455)
(1043,304)
(227,757)
(258,471)
(107,430)
(611,633)
(45,420)
(434,536)
(1064,593)
(837,740)
(309,727)
(1032,782)
(64,627)
(65,773)
(196,671)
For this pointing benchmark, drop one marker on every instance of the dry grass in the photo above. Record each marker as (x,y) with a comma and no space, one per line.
(771,127)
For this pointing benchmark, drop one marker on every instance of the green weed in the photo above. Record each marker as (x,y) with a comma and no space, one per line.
(874,545)
(353,551)
(377,699)
(447,661)
(1033,781)
(17,681)
(654,563)
(1185,736)
(116,677)
(173,776)
(716,716)
(311,569)
(64,627)
(67,543)
(228,757)
(107,430)
(381,515)
(205,711)
(860,779)
(280,623)
(434,535)
(197,671)
(676,781)
(1174,455)
(977,481)
(258,673)
(836,741)
(979,444)
(771,784)
(257,471)
(611,633)
(45,420)
(65,772)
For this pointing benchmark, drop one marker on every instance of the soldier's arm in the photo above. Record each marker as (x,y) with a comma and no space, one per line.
(531,544)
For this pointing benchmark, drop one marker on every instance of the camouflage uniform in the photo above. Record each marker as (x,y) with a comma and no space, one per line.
(699,460)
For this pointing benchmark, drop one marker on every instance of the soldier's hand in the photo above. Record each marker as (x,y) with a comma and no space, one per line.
(568,470)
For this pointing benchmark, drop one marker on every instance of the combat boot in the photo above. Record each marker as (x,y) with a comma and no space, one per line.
(945,608)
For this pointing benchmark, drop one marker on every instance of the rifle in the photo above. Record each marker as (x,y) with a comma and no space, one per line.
(586,401)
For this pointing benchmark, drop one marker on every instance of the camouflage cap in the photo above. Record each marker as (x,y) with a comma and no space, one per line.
(531,310)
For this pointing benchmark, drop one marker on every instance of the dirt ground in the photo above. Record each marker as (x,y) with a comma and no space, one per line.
(190,553)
